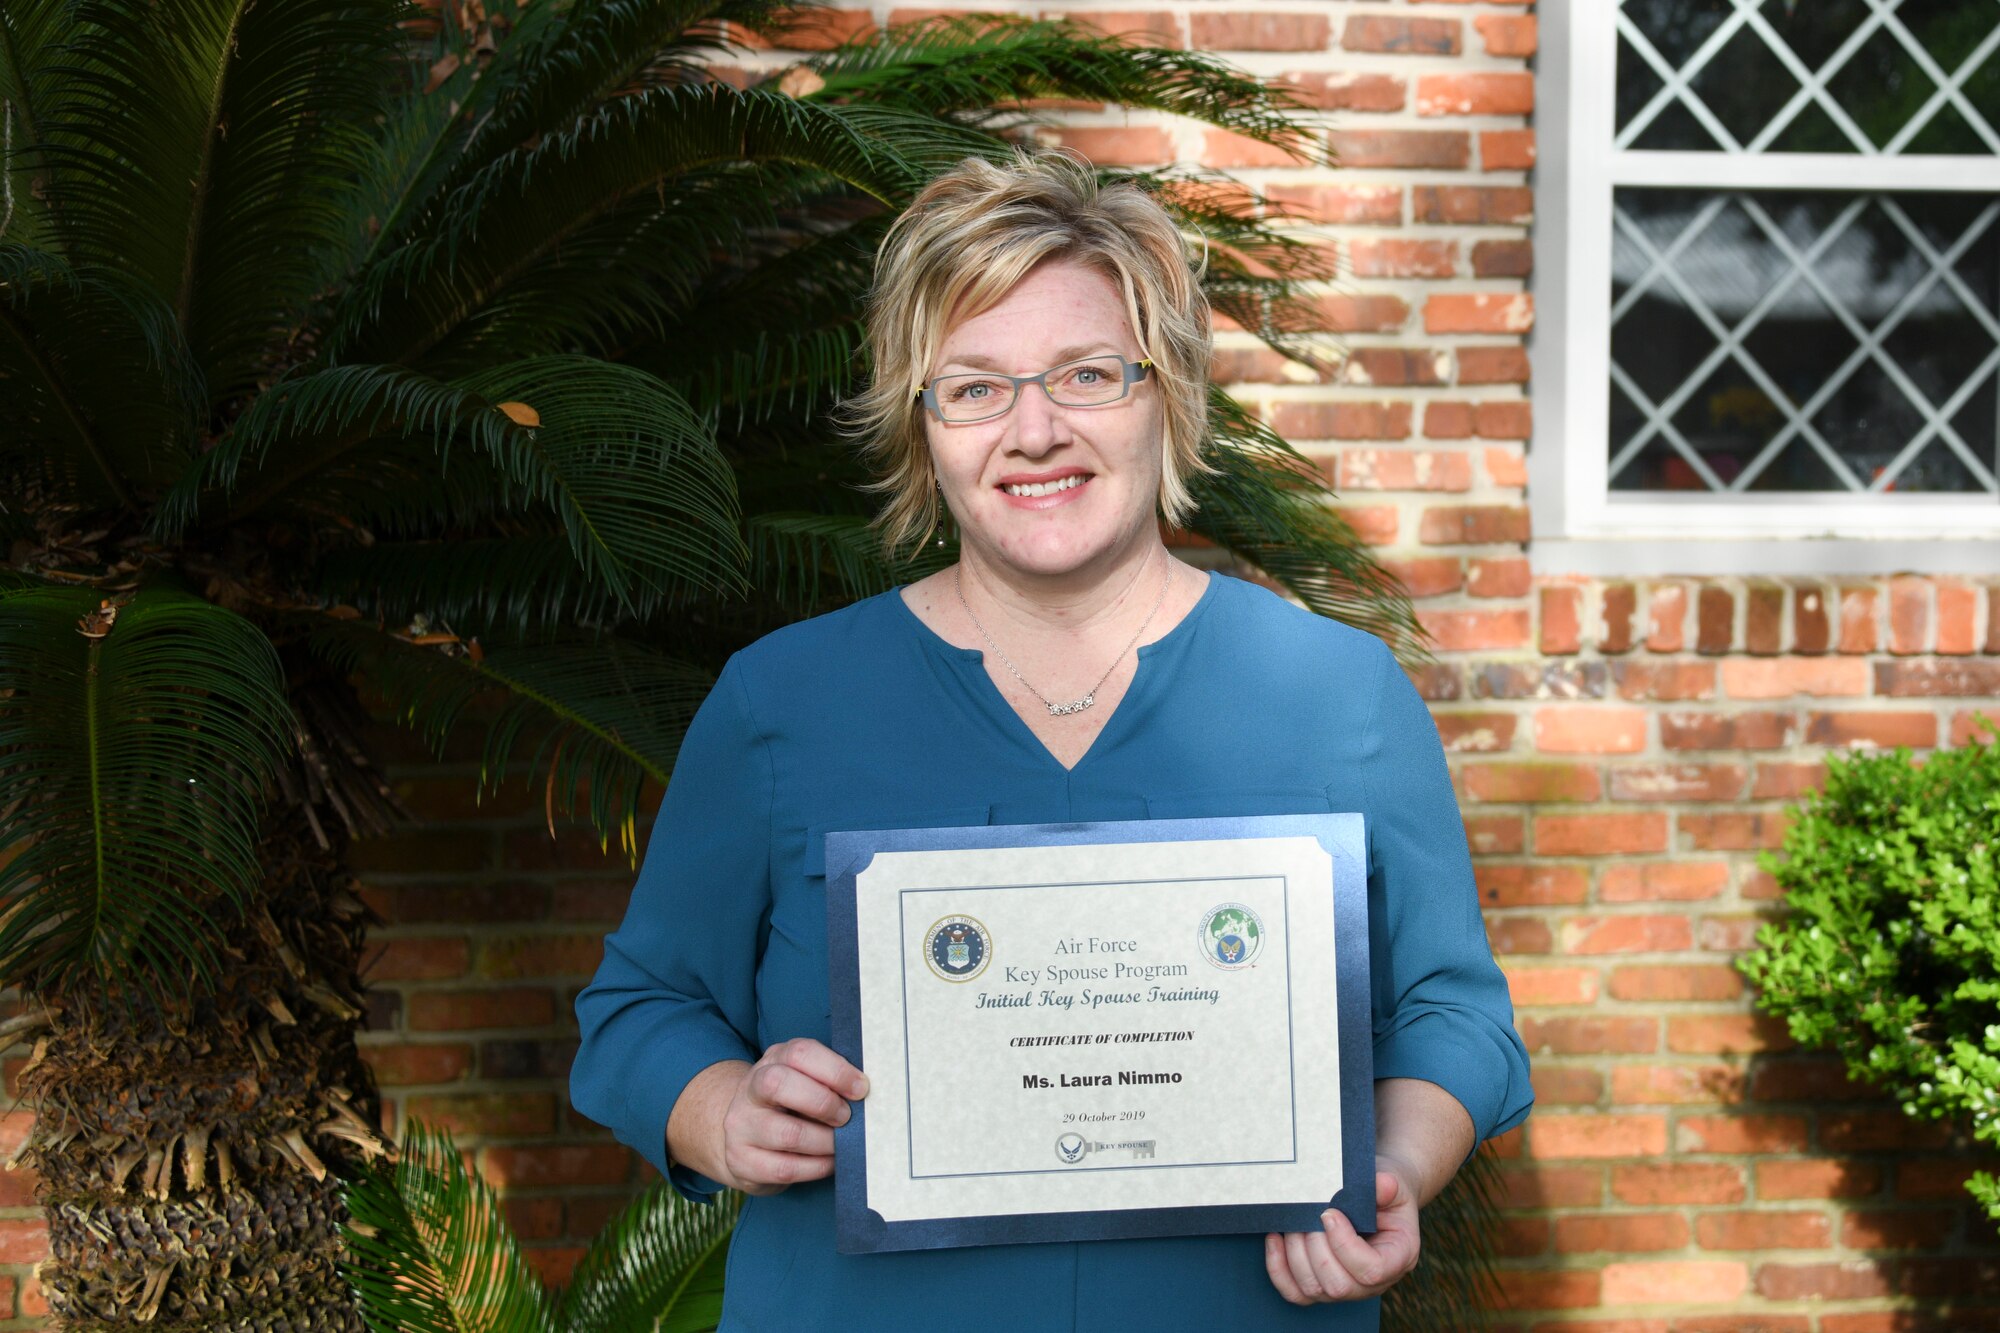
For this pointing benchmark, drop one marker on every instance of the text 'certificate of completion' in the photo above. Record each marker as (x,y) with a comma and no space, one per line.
(1084,1031)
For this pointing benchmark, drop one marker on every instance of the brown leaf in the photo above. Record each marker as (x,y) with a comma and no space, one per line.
(799,81)
(521,414)
(442,70)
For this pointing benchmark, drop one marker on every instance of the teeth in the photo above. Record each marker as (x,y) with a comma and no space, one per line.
(1047,487)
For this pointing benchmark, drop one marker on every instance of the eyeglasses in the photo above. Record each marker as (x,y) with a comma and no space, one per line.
(1095,381)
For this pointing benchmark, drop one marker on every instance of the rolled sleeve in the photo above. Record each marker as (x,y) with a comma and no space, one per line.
(676,991)
(1441,1008)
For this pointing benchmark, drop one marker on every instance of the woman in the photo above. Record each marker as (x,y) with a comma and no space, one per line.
(1040,348)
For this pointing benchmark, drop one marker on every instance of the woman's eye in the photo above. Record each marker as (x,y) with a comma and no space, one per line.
(1089,375)
(976,391)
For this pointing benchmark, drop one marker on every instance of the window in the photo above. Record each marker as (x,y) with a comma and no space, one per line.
(1772,307)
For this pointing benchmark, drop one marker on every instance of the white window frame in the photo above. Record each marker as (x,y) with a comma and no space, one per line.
(1580,525)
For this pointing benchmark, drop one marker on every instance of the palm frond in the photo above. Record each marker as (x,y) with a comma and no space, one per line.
(801,559)
(428,1248)
(604,712)
(203,145)
(31,33)
(133,766)
(518,587)
(1268,505)
(531,200)
(658,1266)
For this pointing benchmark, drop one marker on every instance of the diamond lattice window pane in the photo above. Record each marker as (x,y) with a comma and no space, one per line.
(1804,341)
(1823,76)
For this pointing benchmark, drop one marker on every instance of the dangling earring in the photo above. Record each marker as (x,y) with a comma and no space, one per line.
(943,512)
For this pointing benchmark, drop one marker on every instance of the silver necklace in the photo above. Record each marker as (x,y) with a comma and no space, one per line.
(1090,695)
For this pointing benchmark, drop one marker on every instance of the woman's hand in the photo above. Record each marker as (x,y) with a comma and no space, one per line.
(778,1127)
(1337,1264)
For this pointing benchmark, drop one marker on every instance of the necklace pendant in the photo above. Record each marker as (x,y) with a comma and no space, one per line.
(1064,710)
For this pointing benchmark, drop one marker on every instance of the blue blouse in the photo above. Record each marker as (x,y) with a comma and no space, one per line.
(866,718)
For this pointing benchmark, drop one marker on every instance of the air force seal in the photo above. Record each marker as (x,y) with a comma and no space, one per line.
(1231,936)
(957,948)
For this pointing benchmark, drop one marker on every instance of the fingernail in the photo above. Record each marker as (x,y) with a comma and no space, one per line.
(1326,1218)
(860,1088)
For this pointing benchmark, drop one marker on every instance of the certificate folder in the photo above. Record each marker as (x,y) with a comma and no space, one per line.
(1088,1031)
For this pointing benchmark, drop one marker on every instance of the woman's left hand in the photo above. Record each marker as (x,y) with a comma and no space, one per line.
(1337,1263)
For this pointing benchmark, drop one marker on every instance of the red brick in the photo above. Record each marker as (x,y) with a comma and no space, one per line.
(1625,934)
(1747,1323)
(1679,782)
(1428,576)
(1744,678)
(1496,835)
(1530,885)
(420,958)
(1368,313)
(1939,1179)
(1507,34)
(1544,1186)
(1588,1034)
(1226,148)
(1879,1131)
(1764,618)
(1343,421)
(1677,1182)
(1662,881)
(1810,628)
(1909,615)
(1395,366)
(808,30)
(1727,731)
(1142,27)
(568,1164)
(1666,618)
(1679,1085)
(1448,421)
(1715,619)
(1347,91)
(23,1240)
(1935,679)
(1391,35)
(1512,419)
(1811,1178)
(1537,986)
(1124,146)
(1373,525)
(1740,1133)
(1664,681)
(1467,525)
(1472,205)
(428,851)
(1806,1080)
(1857,620)
(1968,725)
(1850,1280)
(1353,205)
(1918,730)
(1404,469)
(1736,831)
(1725,1034)
(1562,631)
(1786,782)
(532,1218)
(460,1010)
(1698,981)
(1620,1233)
(508,1114)
(1258,30)
(1599,835)
(1510,577)
(1519,935)
(1710,1281)
(1503,93)
(1898,1229)
(1479,312)
(1728,934)
(1570,1289)
(1957,619)
(1590,729)
(1476,631)
(1475,733)
(1430,150)
(1507,150)
(399,1064)
(1503,259)
(1506,467)
(1785,1230)
(1571,1136)
(541,956)
(1565,1085)
(1493,365)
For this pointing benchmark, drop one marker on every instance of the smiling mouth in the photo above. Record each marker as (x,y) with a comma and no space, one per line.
(1033,489)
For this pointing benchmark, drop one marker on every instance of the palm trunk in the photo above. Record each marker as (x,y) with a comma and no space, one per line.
(190,1161)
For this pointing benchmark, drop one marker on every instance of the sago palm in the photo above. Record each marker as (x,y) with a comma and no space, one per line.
(480,360)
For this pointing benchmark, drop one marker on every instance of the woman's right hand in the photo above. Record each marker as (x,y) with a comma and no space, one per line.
(778,1127)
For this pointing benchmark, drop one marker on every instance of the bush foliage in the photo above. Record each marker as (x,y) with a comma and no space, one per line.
(1890,954)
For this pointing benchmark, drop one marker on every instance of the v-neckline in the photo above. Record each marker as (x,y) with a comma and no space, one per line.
(1024,734)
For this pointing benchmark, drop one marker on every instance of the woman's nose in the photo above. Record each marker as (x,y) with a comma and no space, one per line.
(1039,425)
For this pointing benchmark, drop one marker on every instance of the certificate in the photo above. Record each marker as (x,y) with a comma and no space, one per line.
(1086,1031)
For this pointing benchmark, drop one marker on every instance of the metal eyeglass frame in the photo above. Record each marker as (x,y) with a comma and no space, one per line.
(1134,372)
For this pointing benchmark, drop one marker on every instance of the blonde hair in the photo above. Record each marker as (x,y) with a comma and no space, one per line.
(963,244)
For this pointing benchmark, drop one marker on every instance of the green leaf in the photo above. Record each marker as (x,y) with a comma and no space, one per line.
(133,769)
(428,1248)
(658,1266)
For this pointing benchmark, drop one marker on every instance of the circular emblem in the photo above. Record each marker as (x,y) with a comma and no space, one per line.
(1071,1148)
(1231,936)
(957,948)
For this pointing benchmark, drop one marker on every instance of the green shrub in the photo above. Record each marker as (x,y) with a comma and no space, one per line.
(1890,953)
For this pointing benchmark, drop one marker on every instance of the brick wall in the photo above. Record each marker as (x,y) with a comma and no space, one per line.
(1622,750)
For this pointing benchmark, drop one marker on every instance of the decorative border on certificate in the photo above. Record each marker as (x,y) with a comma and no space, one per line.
(1098,1030)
